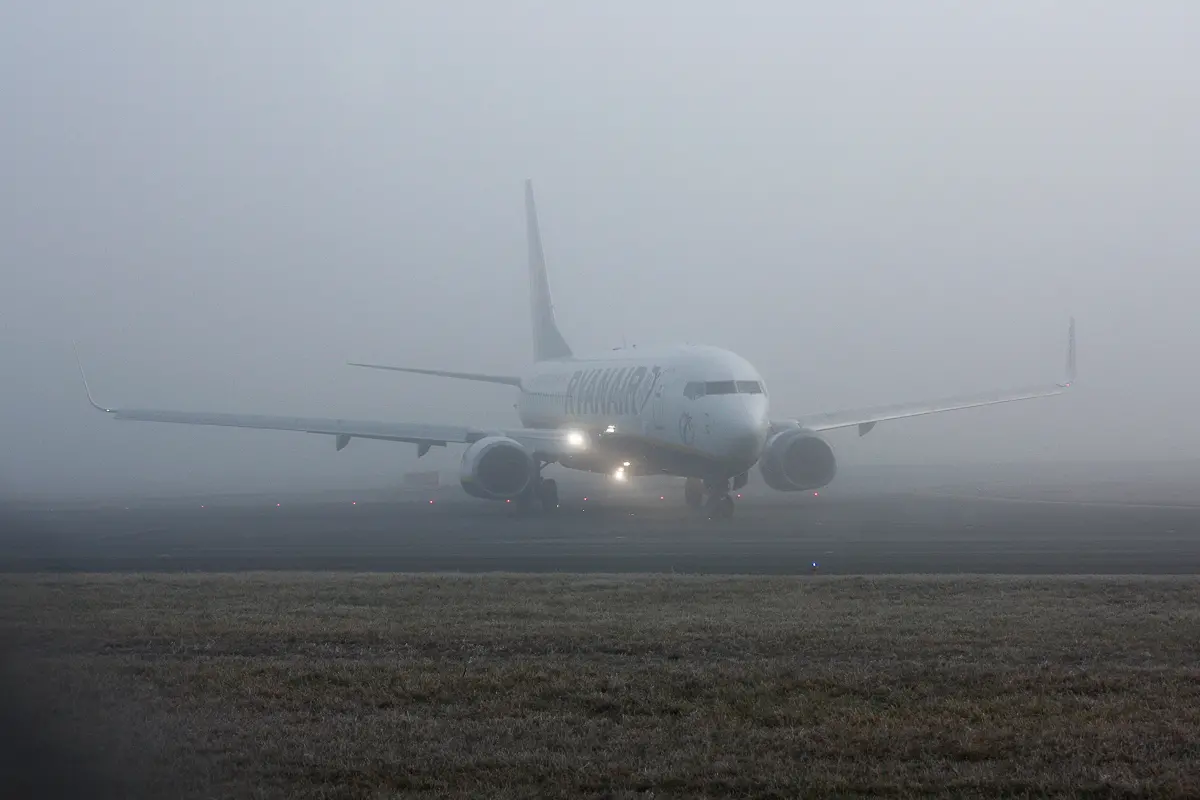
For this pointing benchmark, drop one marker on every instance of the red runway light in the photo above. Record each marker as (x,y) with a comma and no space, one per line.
(660,497)
(816,494)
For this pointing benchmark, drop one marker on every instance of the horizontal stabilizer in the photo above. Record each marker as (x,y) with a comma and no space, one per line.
(508,380)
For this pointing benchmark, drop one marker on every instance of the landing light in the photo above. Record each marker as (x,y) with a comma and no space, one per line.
(619,474)
(611,429)
(626,463)
(576,439)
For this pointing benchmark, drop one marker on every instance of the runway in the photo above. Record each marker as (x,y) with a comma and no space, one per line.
(860,528)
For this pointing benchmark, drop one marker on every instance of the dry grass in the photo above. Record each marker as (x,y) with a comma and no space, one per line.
(268,685)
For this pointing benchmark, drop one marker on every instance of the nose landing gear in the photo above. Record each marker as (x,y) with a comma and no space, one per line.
(719,506)
(711,495)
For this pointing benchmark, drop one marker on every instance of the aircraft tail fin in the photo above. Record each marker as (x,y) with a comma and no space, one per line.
(548,341)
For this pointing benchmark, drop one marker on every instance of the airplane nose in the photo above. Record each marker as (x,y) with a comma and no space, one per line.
(745,438)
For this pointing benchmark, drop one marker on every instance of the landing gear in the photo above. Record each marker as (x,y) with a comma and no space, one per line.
(719,506)
(547,491)
(711,495)
(541,491)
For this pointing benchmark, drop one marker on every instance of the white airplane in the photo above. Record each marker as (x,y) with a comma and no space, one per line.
(696,412)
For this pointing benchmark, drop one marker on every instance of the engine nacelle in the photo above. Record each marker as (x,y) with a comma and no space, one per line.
(795,460)
(496,468)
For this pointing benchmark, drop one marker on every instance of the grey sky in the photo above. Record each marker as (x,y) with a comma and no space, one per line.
(872,202)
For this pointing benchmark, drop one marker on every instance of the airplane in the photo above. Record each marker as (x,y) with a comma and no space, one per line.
(700,413)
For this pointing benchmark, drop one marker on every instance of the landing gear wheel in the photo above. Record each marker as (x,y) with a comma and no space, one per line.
(720,506)
(548,494)
(524,501)
(693,492)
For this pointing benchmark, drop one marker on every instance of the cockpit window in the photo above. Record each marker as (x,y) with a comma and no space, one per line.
(695,389)
(720,387)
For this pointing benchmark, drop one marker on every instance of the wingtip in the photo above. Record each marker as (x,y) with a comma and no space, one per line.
(87,390)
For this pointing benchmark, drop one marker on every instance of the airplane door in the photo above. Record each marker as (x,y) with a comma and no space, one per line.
(657,412)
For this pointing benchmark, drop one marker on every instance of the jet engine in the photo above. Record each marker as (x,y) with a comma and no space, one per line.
(496,468)
(795,460)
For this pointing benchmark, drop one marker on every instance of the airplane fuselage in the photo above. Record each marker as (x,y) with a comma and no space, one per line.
(689,410)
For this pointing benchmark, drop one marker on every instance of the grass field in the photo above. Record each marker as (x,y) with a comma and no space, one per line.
(271,685)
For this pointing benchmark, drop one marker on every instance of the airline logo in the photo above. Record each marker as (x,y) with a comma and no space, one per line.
(687,432)
(614,390)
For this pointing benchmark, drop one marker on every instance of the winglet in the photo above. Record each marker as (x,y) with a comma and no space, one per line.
(1070,354)
(87,389)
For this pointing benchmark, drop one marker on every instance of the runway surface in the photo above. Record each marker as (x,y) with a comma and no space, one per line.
(864,526)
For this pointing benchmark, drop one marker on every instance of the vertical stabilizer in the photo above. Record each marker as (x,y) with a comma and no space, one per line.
(548,342)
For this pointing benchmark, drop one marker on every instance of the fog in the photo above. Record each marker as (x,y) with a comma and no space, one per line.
(223,202)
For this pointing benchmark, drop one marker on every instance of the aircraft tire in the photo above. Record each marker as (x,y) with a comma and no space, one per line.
(720,507)
(548,494)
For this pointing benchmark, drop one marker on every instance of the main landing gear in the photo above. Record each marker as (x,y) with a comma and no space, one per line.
(547,492)
(711,495)
(540,492)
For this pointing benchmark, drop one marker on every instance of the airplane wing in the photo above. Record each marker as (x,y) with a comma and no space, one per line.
(868,418)
(544,442)
(507,380)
